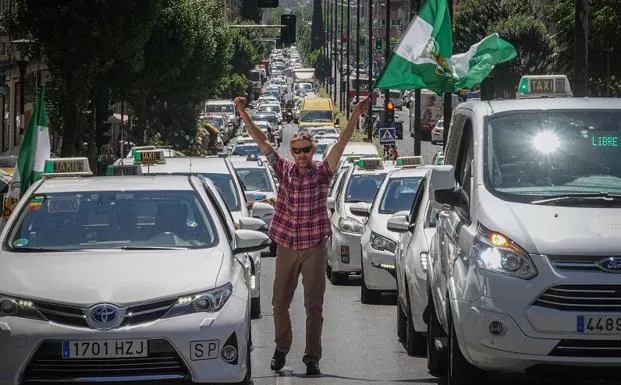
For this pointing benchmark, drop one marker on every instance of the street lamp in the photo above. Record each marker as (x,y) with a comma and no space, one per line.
(21,54)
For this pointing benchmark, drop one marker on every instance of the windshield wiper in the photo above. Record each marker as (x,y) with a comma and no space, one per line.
(39,249)
(151,248)
(579,198)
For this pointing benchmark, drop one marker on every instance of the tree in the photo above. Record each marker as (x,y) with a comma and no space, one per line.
(604,42)
(101,35)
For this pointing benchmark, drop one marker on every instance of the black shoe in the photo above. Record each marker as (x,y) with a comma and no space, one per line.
(312,369)
(278,360)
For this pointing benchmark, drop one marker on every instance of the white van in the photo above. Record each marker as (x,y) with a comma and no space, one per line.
(525,272)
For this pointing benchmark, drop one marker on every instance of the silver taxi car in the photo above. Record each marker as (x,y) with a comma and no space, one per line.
(123,279)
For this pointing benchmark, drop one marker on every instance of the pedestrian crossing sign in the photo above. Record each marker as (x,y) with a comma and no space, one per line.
(387,135)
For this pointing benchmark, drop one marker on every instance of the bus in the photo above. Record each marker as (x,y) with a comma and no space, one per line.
(364,87)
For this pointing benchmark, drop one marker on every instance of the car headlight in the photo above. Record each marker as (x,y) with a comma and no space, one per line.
(208,302)
(381,243)
(424,260)
(15,307)
(350,225)
(495,252)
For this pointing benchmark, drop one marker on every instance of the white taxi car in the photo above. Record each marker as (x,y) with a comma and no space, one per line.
(359,184)
(378,243)
(221,172)
(123,279)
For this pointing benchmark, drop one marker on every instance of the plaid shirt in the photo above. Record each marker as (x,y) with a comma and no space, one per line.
(301,212)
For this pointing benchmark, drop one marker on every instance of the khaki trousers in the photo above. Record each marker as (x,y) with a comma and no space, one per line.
(311,263)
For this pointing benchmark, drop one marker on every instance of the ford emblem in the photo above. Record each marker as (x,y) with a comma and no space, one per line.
(104,314)
(610,265)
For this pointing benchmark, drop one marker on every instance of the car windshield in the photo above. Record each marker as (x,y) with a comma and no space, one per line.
(542,154)
(399,194)
(246,150)
(362,188)
(226,186)
(269,109)
(321,148)
(269,118)
(316,116)
(255,179)
(228,108)
(112,219)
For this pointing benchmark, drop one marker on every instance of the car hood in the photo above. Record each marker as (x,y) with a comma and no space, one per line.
(554,230)
(116,276)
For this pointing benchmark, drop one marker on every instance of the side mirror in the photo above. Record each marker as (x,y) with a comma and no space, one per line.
(337,121)
(249,241)
(361,209)
(256,224)
(331,203)
(398,223)
(296,121)
(262,211)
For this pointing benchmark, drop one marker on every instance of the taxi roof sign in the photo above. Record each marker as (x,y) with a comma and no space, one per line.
(541,86)
(123,169)
(141,148)
(409,161)
(149,157)
(67,167)
(370,163)
(353,158)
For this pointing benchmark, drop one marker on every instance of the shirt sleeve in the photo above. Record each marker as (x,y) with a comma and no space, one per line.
(325,171)
(277,162)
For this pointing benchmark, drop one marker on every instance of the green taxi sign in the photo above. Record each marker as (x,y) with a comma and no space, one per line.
(352,158)
(149,157)
(141,148)
(409,161)
(67,167)
(123,169)
(370,163)
(539,86)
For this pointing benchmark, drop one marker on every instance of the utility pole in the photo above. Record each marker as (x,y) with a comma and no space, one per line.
(416,4)
(328,46)
(334,34)
(581,49)
(341,89)
(387,91)
(357,50)
(368,121)
(448,96)
(348,47)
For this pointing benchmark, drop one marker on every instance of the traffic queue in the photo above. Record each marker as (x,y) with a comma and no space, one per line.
(502,257)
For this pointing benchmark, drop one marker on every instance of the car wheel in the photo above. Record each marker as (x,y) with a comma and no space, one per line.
(437,357)
(415,343)
(273,246)
(255,307)
(402,320)
(247,379)
(368,296)
(339,279)
(460,371)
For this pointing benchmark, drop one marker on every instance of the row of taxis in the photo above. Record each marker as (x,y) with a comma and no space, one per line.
(149,273)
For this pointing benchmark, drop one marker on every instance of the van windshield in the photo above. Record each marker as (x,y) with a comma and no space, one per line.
(316,116)
(553,153)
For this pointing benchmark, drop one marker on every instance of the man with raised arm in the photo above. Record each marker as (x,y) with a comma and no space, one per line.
(300,227)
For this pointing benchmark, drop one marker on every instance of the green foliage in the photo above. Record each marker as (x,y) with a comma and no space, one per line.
(232,86)
(604,42)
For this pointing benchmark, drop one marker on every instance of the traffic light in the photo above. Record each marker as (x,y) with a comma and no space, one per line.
(287,33)
(268,3)
(378,44)
(390,114)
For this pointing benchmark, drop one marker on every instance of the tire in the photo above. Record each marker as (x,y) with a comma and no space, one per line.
(460,371)
(247,379)
(402,320)
(415,342)
(255,307)
(437,359)
(369,296)
(273,247)
(338,279)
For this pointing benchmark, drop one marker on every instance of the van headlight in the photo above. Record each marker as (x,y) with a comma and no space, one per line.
(497,253)
(350,225)
(16,307)
(208,301)
(381,243)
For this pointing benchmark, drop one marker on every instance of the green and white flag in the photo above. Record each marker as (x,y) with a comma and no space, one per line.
(420,60)
(33,152)
(423,58)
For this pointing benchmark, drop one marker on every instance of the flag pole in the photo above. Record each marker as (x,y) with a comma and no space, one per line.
(448,96)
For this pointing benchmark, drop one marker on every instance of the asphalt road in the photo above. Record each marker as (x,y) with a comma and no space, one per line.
(359,341)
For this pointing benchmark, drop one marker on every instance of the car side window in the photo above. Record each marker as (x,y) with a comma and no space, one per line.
(225,217)
(464,158)
(339,189)
(418,202)
(453,141)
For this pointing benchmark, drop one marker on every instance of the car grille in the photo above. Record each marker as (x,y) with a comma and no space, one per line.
(74,316)
(575,262)
(600,298)
(587,348)
(47,365)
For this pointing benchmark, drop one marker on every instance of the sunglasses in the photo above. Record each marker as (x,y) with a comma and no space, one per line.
(300,150)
